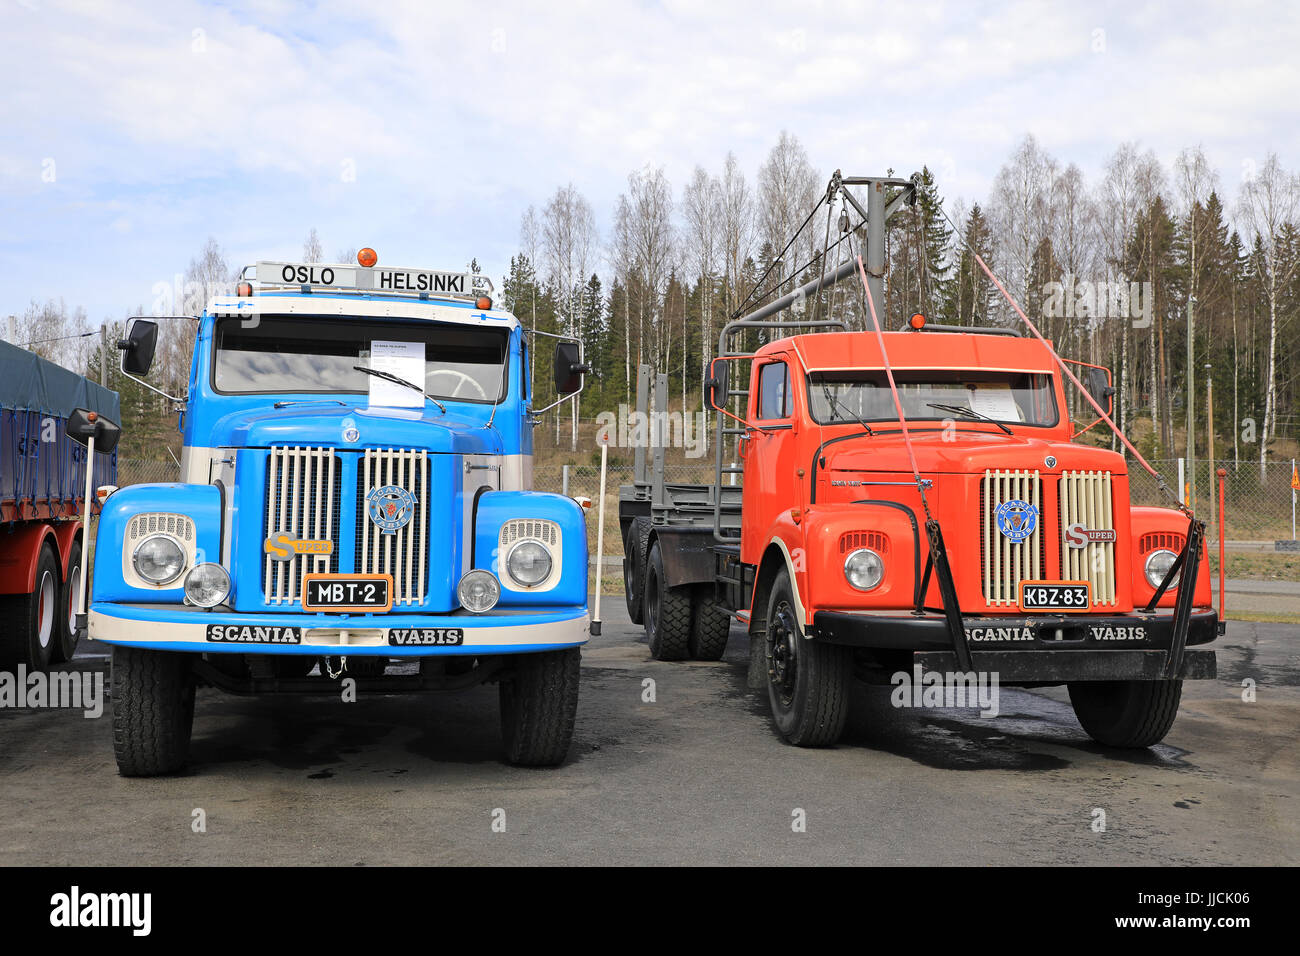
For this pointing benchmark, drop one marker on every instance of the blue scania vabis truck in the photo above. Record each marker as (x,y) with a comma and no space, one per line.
(354,503)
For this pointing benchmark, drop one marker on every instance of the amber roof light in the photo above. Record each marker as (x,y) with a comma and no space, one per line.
(917,321)
(367,257)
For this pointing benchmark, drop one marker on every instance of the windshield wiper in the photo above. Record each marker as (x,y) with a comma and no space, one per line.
(969,413)
(390,377)
(835,402)
(313,401)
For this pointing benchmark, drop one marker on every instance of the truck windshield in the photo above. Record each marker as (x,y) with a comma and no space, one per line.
(1019,398)
(287,354)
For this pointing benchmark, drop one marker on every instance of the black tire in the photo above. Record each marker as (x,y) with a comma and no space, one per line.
(710,628)
(153,711)
(667,612)
(66,646)
(539,702)
(29,628)
(807,681)
(634,555)
(1126,713)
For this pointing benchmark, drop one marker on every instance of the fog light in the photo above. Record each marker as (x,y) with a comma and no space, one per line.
(207,585)
(1158,565)
(158,559)
(478,591)
(864,569)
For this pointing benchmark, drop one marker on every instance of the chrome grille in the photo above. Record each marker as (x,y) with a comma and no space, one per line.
(1086,500)
(302,501)
(403,552)
(1005,563)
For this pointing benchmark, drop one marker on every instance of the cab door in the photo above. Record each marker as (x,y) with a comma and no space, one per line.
(769,447)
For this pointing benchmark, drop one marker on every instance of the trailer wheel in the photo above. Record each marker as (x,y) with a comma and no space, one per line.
(31,621)
(153,711)
(66,645)
(1126,713)
(807,681)
(667,612)
(634,555)
(710,628)
(539,702)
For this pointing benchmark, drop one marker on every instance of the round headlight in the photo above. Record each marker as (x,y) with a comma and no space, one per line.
(478,591)
(529,563)
(1158,565)
(158,559)
(864,569)
(207,585)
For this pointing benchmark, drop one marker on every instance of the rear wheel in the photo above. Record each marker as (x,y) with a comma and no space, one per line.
(30,622)
(807,681)
(539,703)
(153,711)
(710,628)
(634,555)
(66,646)
(667,612)
(1126,713)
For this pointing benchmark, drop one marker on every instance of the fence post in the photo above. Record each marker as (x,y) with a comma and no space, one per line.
(1182,480)
(564,481)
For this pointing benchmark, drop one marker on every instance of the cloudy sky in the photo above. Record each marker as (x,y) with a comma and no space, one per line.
(130,132)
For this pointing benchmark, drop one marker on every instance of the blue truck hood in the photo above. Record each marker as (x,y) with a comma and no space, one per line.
(326,424)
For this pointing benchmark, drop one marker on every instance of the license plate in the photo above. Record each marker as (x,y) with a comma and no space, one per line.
(347,592)
(1067,597)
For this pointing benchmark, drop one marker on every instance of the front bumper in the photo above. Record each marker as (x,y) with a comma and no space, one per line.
(179,628)
(1034,648)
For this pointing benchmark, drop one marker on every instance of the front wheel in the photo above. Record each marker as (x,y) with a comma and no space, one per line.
(1126,713)
(807,681)
(539,703)
(153,711)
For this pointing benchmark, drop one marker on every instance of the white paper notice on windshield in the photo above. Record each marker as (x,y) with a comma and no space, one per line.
(995,401)
(406,361)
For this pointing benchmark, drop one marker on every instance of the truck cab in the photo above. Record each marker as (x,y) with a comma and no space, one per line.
(355,492)
(957,525)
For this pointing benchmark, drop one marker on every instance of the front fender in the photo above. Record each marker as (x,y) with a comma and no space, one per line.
(495,508)
(1156,527)
(201,503)
(891,531)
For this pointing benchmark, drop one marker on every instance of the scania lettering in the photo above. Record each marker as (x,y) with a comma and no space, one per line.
(355,485)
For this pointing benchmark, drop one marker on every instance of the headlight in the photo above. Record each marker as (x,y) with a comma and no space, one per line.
(478,591)
(207,585)
(158,559)
(529,563)
(1158,565)
(864,569)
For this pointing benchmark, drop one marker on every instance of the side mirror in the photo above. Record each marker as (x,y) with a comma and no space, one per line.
(138,346)
(717,385)
(569,369)
(1097,383)
(83,424)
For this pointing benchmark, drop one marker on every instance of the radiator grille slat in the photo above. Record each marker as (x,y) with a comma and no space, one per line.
(302,501)
(1005,563)
(1086,499)
(401,553)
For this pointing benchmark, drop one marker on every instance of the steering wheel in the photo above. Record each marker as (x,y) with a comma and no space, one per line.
(463,380)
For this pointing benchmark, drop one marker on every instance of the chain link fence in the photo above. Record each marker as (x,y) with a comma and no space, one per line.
(140,471)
